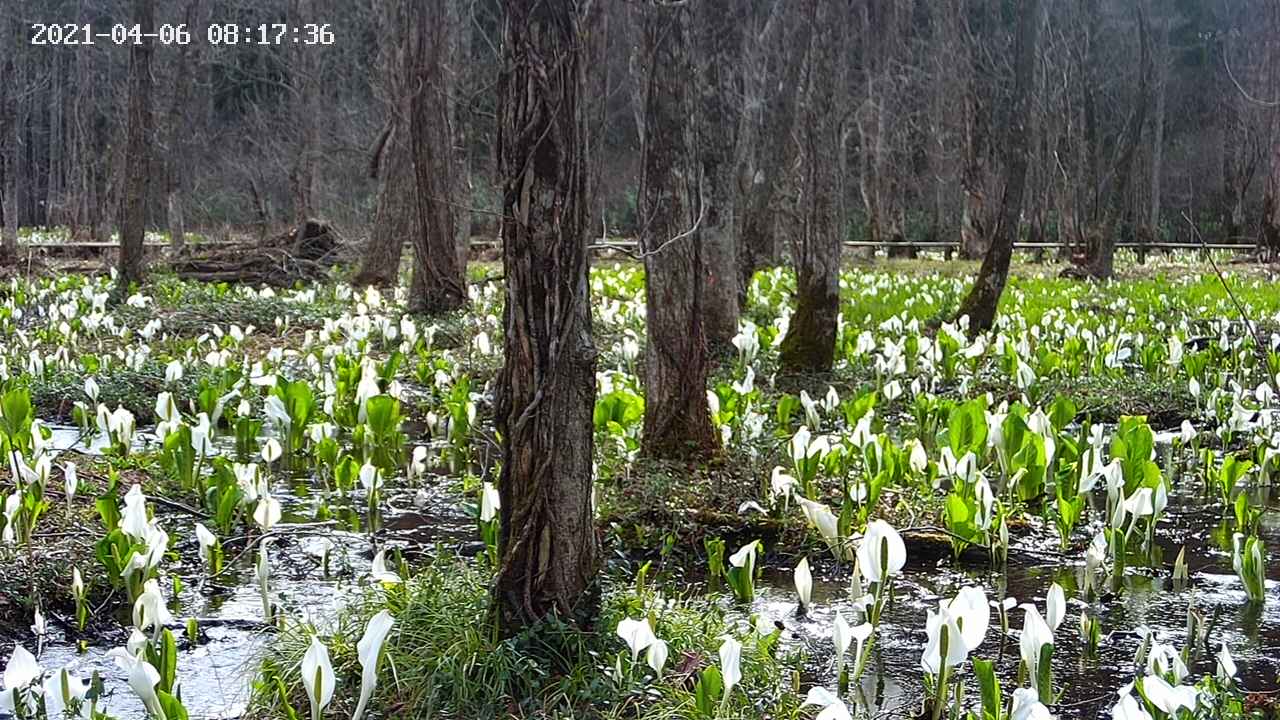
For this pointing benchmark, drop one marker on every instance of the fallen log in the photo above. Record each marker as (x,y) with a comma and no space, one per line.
(306,252)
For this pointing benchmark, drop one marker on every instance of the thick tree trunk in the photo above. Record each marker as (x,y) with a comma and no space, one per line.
(984,297)
(546,390)
(395,218)
(137,153)
(9,150)
(1102,252)
(439,284)
(719,50)
(809,345)
(677,423)
(758,244)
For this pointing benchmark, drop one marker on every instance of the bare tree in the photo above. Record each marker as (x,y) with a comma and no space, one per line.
(137,154)
(774,67)
(395,218)
(983,298)
(809,345)
(439,282)
(673,207)
(546,390)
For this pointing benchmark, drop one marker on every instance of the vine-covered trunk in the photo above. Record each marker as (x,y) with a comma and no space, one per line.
(136,178)
(809,345)
(677,423)
(439,282)
(984,297)
(546,389)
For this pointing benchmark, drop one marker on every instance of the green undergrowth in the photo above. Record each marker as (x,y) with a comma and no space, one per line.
(444,660)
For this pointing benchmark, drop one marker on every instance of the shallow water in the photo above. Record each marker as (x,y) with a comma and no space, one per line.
(892,683)
(214,674)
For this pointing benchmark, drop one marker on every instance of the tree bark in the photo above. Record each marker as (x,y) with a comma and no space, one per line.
(677,423)
(177,130)
(809,345)
(137,154)
(1103,242)
(9,147)
(719,50)
(439,283)
(758,243)
(305,87)
(984,297)
(546,389)
(395,218)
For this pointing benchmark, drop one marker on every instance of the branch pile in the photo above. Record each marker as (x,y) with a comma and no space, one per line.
(306,252)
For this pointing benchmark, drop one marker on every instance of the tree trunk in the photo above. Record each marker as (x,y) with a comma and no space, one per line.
(304,84)
(1102,252)
(546,389)
(719,50)
(178,129)
(758,243)
(677,423)
(809,345)
(982,300)
(1157,140)
(9,148)
(137,154)
(395,218)
(439,284)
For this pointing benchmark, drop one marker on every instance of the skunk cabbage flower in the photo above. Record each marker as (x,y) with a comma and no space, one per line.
(206,540)
(637,634)
(730,664)
(1027,706)
(369,649)
(972,613)
(379,571)
(318,677)
(881,554)
(21,671)
(149,610)
(804,583)
(937,623)
(267,513)
(143,678)
(1055,607)
(1128,708)
(833,708)
(1035,635)
(1226,666)
(656,655)
(71,480)
(490,502)
(1167,698)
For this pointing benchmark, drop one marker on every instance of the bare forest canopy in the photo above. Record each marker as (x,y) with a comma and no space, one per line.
(1140,111)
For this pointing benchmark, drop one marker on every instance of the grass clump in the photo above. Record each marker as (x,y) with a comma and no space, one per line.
(444,659)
